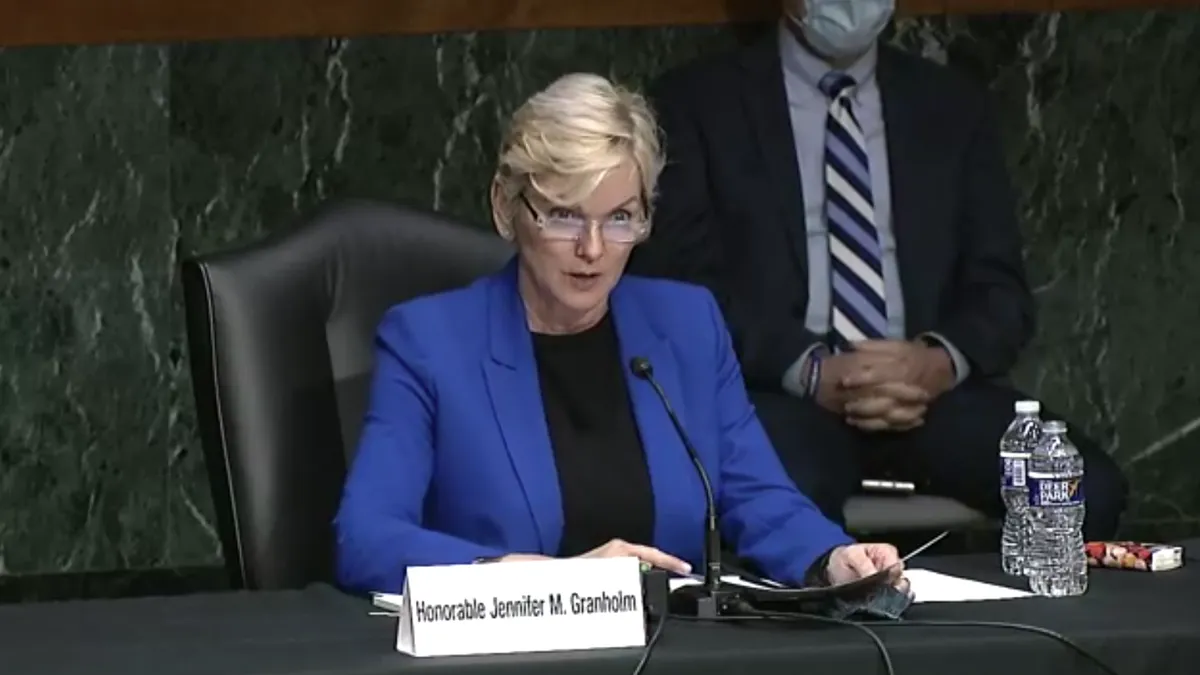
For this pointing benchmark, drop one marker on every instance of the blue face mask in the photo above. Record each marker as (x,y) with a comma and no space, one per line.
(844,29)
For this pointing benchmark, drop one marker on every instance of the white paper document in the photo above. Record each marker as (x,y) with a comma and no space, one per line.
(929,586)
(695,580)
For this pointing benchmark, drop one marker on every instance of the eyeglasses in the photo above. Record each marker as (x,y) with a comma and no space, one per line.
(619,227)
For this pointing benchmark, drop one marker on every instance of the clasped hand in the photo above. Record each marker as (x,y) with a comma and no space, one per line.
(885,385)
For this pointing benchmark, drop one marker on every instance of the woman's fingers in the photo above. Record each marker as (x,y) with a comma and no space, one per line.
(647,554)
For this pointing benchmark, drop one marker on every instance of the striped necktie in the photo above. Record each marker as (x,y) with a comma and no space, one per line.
(856,257)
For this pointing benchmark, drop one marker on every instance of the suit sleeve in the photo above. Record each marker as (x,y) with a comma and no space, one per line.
(994,314)
(685,244)
(378,525)
(762,511)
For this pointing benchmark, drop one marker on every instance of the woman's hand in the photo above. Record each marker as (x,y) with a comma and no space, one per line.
(617,549)
(522,557)
(652,556)
(856,561)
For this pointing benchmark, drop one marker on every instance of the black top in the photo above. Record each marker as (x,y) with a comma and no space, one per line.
(602,473)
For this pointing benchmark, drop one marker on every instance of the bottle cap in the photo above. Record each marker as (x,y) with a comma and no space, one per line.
(1054,427)
(1027,407)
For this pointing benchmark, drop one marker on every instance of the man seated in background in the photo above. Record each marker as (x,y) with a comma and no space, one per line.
(849,206)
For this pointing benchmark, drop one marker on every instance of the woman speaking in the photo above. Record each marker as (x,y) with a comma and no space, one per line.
(504,421)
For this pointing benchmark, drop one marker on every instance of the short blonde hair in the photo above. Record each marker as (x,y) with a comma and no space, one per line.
(579,129)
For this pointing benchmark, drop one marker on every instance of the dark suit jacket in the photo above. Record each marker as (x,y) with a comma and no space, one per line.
(731,216)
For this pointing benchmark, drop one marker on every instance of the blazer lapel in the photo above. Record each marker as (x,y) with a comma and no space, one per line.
(765,98)
(512,382)
(666,457)
(905,140)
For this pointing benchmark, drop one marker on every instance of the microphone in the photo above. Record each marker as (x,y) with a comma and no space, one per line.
(707,601)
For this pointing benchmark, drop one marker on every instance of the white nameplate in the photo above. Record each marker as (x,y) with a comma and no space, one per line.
(534,606)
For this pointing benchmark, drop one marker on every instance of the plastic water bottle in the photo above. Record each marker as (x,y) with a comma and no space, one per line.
(1054,559)
(1016,445)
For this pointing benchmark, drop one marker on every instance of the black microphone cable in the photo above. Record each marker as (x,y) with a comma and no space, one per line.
(662,621)
(1036,630)
(753,615)
(651,643)
(869,627)
(747,613)
(885,656)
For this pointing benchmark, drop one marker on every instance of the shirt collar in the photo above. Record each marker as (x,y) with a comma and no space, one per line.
(799,61)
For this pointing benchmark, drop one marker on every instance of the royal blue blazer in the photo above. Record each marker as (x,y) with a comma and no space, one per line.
(455,463)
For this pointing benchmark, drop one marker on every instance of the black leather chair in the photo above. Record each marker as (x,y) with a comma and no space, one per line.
(280,337)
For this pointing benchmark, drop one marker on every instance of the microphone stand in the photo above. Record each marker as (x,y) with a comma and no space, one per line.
(708,600)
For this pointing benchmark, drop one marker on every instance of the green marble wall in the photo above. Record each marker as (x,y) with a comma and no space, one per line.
(116,161)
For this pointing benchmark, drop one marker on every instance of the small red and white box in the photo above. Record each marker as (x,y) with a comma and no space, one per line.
(1129,555)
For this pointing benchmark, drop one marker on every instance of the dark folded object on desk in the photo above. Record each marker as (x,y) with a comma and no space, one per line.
(870,597)
(887,603)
